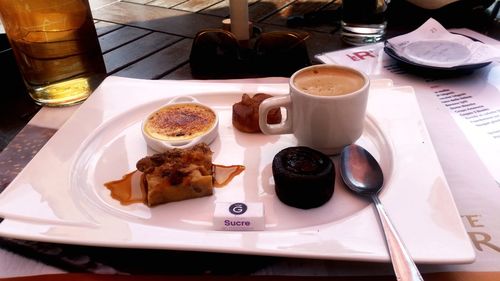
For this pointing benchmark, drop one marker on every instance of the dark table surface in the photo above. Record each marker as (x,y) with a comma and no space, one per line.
(152,39)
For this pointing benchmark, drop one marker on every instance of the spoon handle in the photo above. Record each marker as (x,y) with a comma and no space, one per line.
(404,267)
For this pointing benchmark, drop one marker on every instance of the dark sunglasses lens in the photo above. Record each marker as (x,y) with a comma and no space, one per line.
(281,53)
(213,52)
(217,54)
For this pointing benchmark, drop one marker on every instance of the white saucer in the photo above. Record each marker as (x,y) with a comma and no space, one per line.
(439,53)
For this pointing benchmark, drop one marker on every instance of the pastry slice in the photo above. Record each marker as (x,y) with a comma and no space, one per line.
(177,174)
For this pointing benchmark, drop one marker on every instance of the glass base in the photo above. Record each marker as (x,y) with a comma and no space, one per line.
(65,93)
(362,34)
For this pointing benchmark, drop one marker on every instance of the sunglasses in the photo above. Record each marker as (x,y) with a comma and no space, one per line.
(216,53)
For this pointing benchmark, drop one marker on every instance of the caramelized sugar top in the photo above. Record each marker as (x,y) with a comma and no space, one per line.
(180,122)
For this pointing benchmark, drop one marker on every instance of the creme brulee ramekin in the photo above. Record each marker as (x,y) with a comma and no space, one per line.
(161,145)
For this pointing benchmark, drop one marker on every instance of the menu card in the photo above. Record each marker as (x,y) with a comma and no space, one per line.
(462,115)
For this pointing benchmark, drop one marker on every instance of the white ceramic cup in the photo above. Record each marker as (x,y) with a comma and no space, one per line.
(325,122)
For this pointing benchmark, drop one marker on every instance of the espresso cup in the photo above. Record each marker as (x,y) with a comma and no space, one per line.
(325,109)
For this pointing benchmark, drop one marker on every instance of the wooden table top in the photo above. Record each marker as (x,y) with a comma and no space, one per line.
(152,39)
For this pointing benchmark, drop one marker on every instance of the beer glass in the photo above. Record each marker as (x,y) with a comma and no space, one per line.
(56,48)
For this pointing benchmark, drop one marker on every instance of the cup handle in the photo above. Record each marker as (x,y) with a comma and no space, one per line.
(276,102)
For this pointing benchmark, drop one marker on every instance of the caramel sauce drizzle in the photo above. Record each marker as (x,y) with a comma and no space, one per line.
(131,188)
(224,174)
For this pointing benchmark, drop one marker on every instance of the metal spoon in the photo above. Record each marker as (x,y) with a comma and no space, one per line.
(363,175)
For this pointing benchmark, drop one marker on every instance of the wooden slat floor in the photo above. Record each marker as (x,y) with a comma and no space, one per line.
(152,39)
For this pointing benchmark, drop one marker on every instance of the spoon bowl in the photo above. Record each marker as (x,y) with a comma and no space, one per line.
(360,171)
(362,174)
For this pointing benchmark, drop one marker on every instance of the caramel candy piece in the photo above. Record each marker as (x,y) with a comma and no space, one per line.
(246,113)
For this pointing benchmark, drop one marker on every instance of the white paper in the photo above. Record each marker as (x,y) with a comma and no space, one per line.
(432,45)
(462,115)
(473,101)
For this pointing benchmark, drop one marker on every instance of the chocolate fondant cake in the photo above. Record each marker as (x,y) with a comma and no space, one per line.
(304,178)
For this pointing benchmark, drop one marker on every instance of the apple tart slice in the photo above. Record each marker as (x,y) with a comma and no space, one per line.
(177,174)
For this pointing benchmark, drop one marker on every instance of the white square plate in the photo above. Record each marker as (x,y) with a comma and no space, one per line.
(60,196)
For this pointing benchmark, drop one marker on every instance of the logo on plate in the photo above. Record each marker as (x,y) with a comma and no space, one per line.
(238,208)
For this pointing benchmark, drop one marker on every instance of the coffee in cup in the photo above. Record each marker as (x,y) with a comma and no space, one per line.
(328,81)
(325,108)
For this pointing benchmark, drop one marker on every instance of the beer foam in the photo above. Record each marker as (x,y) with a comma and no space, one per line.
(329,82)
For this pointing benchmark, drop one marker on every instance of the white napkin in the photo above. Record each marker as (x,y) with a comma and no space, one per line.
(432,45)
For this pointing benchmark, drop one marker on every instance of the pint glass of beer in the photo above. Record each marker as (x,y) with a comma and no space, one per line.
(56,48)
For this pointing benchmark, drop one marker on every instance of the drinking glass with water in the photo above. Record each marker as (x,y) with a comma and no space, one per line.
(363,21)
